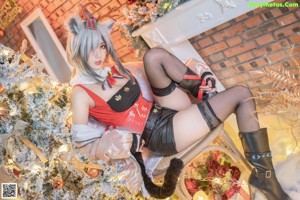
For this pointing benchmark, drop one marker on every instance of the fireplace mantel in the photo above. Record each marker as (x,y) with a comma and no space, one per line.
(173,30)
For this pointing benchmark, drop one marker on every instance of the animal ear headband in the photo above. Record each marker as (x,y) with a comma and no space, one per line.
(88,21)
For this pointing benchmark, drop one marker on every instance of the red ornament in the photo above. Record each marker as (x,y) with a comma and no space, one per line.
(2,32)
(93,173)
(131,1)
(57,183)
(16,172)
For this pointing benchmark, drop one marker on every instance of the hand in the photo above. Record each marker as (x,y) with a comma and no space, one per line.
(209,88)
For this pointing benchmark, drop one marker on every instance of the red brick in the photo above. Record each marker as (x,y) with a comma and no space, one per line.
(196,46)
(295,39)
(51,8)
(298,13)
(104,2)
(292,62)
(116,35)
(67,5)
(252,33)
(218,75)
(216,57)
(240,49)
(196,38)
(274,47)
(241,17)
(258,73)
(258,10)
(288,30)
(205,42)
(215,67)
(245,56)
(261,62)
(229,32)
(222,26)
(268,26)
(234,41)
(287,19)
(294,51)
(260,51)
(252,22)
(118,45)
(123,1)
(106,12)
(267,38)
(255,84)
(238,79)
(277,56)
(242,68)
(213,49)
(254,64)
(229,62)
(207,61)
(229,72)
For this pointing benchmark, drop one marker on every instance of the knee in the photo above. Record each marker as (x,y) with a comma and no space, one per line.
(244,91)
(155,54)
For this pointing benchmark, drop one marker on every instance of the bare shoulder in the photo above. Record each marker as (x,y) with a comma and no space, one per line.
(78,95)
(79,105)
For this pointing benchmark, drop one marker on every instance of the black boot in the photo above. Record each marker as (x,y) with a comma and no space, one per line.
(263,178)
(191,82)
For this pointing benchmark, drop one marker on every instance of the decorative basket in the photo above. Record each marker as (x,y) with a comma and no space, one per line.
(214,175)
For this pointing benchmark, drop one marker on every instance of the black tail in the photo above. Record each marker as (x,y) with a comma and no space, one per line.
(170,179)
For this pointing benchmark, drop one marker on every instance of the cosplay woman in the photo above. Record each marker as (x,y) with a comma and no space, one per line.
(113,97)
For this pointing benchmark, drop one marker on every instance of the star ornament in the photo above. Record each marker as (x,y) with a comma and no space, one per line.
(225,4)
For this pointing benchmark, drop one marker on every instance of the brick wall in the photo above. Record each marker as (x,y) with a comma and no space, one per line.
(56,12)
(238,48)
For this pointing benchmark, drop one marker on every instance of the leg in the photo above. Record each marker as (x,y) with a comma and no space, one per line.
(254,140)
(212,113)
(163,70)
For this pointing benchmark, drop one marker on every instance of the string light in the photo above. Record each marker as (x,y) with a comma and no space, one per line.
(36,169)
(63,148)
(5,52)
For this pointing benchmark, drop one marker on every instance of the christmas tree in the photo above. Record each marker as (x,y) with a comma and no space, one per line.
(35,139)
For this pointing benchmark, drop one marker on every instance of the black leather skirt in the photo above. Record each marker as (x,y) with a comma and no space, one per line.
(158,133)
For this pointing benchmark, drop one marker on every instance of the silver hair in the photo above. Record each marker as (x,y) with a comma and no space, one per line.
(82,40)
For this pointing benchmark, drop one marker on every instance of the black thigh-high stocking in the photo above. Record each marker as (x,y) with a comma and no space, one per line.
(163,68)
(236,100)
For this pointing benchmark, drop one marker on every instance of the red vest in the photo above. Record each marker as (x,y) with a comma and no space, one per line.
(133,119)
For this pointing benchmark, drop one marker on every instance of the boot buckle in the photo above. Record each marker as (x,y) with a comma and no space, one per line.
(268,174)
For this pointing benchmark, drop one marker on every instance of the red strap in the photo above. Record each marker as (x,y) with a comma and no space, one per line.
(192,77)
(200,92)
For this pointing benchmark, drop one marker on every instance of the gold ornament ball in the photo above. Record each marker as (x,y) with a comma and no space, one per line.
(57,183)
(93,173)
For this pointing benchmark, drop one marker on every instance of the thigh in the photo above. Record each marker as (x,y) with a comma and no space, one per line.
(177,100)
(189,126)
